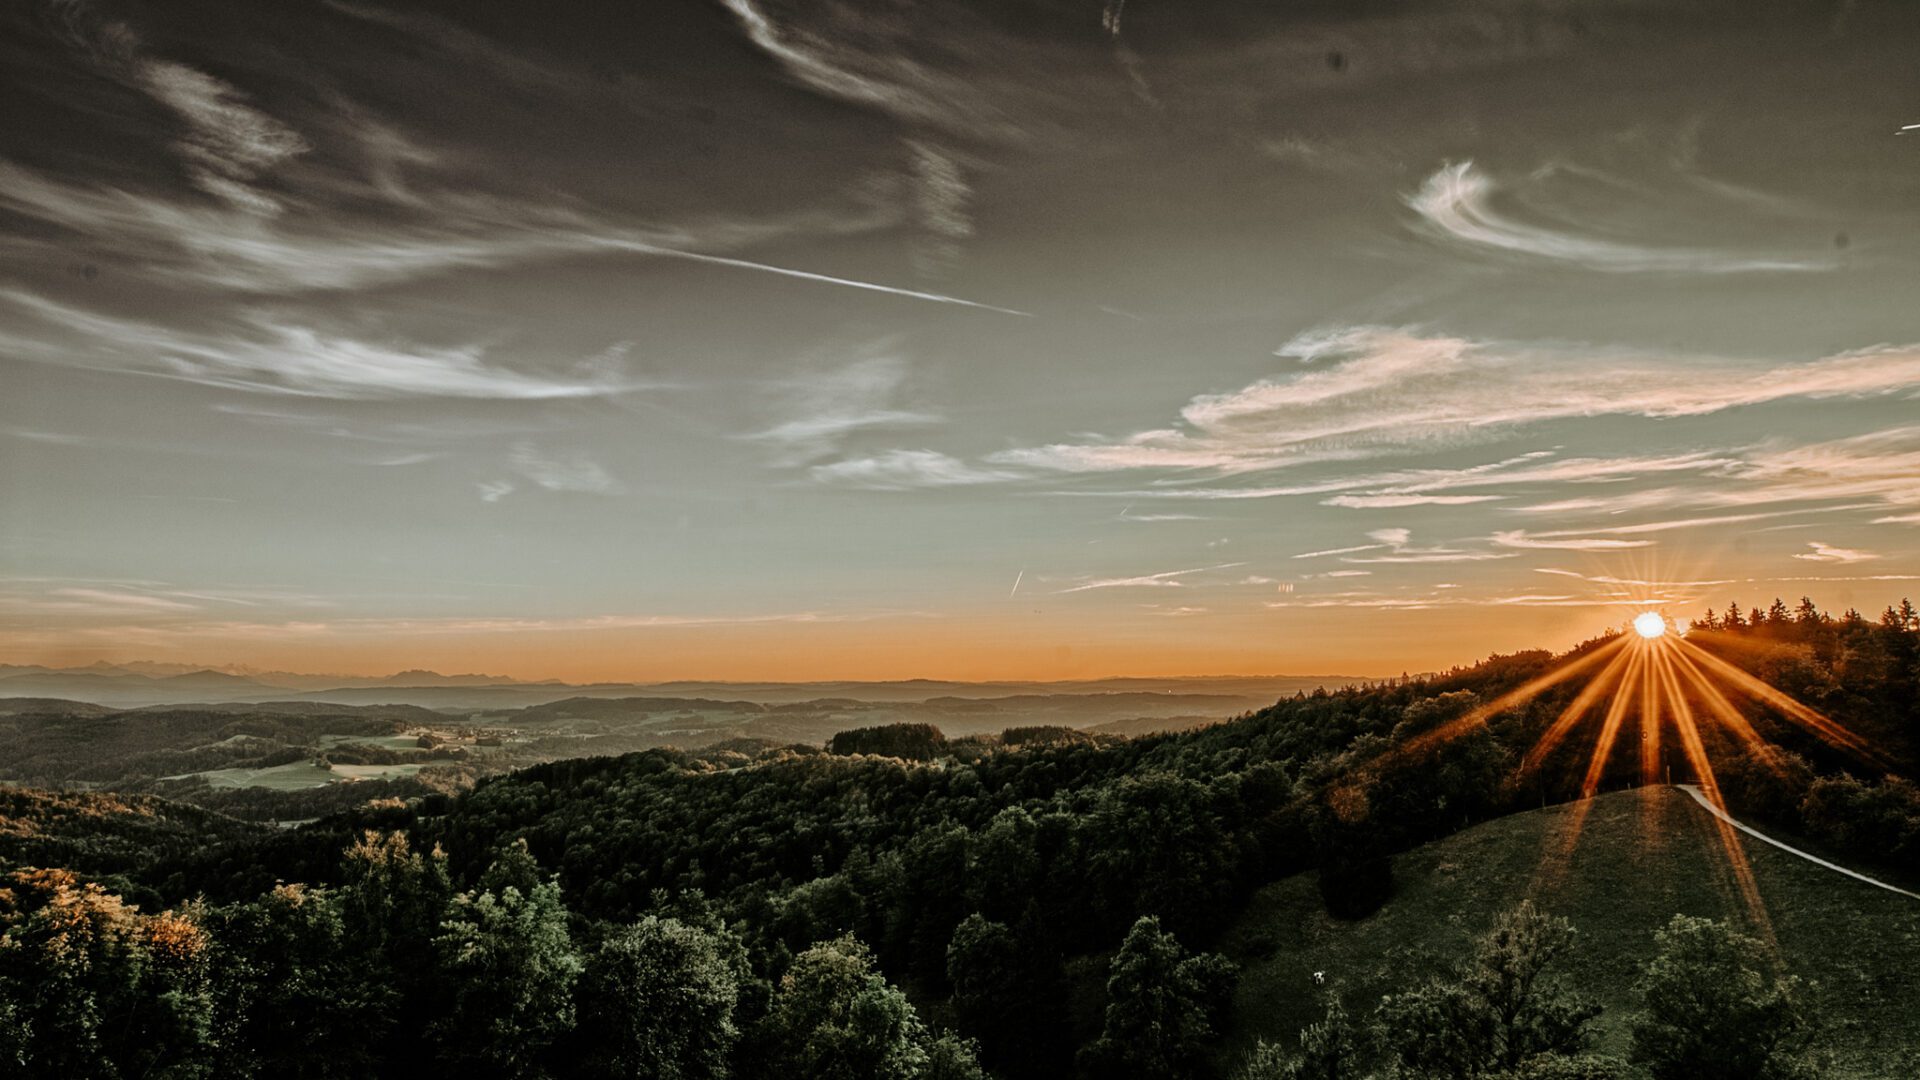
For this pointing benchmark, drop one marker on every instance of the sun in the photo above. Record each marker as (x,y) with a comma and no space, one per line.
(1649,625)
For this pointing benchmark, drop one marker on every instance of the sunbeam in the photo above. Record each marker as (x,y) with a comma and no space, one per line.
(1677,692)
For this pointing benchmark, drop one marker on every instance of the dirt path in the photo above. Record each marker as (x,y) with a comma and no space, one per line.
(1694,791)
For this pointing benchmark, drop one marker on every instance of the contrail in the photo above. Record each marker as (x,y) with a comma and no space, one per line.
(1906,128)
(1016,582)
(808,275)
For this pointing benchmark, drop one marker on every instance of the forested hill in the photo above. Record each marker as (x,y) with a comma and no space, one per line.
(985,879)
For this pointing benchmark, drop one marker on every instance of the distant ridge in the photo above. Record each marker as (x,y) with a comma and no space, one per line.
(143,683)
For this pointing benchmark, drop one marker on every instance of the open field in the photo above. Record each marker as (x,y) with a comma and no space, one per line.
(297,776)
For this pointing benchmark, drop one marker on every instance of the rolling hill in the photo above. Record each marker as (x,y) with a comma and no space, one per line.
(1641,857)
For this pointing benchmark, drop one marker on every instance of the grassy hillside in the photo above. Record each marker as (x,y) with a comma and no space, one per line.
(1641,857)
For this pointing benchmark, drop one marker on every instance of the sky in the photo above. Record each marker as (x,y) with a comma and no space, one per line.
(830,339)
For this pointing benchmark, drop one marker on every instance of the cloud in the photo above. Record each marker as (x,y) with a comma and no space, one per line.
(978,82)
(493,491)
(1456,204)
(263,355)
(1437,556)
(822,408)
(1453,599)
(1827,553)
(1875,469)
(248,252)
(904,470)
(940,197)
(1394,502)
(1518,538)
(1166,579)
(66,599)
(227,143)
(1535,467)
(1671,524)
(1372,390)
(1898,519)
(97,599)
(1608,579)
(564,471)
(1397,543)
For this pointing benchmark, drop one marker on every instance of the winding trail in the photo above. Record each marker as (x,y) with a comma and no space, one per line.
(1694,790)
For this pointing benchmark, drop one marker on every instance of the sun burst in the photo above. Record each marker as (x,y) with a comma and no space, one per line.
(1651,679)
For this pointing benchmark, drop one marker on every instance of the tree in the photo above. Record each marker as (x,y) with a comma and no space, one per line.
(91,987)
(1161,1008)
(835,1018)
(295,997)
(509,966)
(1505,1006)
(658,999)
(1713,1009)
(1329,1050)
(1009,992)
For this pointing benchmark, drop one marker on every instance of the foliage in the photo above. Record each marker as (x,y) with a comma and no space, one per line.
(93,988)
(1714,1007)
(1329,1050)
(835,1018)
(510,966)
(1009,990)
(914,742)
(1504,1007)
(1162,1005)
(658,999)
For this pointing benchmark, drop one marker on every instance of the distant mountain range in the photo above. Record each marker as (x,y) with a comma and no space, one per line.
(150,683)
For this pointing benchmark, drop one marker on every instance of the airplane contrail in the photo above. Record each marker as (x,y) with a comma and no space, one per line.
(1906,128)
(807,275)
(1016,582)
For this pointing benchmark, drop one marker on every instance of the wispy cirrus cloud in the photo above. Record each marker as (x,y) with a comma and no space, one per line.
(564,470)
(1456,204)
(1166,579)
(904,470)
(1395,502)
(258,353)
(1880,467)
(1370,390)
(1396,546)
(55,598)
(225,142)
(819,409)
(1611,579)
(1518,538)
(1828,553)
